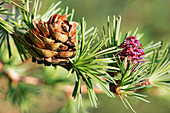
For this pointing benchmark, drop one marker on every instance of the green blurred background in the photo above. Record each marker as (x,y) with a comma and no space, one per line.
(150,16)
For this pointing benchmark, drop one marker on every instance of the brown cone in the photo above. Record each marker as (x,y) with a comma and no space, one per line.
(52,42)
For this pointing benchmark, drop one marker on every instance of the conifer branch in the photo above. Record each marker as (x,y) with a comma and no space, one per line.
(120,62)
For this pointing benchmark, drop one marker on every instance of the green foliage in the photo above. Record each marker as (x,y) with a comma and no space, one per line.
(20,95)
(71,107)
(95,58)
(5,28)
(89,64)
(159,68)
(51,77)
(8,26)
(131,81)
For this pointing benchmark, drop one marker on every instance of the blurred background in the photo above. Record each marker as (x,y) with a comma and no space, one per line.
(150,16)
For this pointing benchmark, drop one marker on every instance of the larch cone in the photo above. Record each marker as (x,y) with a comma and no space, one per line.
(52,42)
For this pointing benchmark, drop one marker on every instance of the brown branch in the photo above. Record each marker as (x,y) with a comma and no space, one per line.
(16,78)
(70,88)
